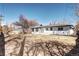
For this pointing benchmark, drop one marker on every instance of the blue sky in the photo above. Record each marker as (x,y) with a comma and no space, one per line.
(43,13)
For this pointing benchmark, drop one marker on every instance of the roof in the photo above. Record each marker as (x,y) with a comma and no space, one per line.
(51,26)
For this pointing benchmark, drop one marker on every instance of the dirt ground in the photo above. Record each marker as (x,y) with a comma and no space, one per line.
(13,42)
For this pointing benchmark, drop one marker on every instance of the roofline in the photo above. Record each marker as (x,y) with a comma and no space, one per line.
(50,26)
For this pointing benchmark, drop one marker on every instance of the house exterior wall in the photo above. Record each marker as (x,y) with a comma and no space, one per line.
(66,31)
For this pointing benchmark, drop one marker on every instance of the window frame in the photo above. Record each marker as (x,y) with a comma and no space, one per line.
(60,28)
(51,28)
(47,29)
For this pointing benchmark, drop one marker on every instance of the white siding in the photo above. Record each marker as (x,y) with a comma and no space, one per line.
(65,31)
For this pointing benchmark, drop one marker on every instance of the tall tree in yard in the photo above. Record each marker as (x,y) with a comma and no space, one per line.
(77,26)
(33,23)
(77,14)
(2,41)
(25,24)
(75,50)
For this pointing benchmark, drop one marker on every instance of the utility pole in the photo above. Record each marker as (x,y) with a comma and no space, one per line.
(1,18)
(2,39)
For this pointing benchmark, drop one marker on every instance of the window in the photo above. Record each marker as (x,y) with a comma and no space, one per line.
(47,29)
(36,29)
(60,28)
(33,29)
(51,28)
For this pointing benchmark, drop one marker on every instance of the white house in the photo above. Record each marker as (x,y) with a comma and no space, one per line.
(53,29)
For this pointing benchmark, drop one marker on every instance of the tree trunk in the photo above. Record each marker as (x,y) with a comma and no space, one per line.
(22,47)
(2,45)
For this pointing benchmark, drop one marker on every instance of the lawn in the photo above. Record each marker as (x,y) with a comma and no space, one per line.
(64,39)
(13,42)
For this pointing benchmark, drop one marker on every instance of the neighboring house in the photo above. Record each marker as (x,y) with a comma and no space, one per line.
(16,31)
(53,29)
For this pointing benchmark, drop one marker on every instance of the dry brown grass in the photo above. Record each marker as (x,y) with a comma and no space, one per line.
(38,42)
(65,39)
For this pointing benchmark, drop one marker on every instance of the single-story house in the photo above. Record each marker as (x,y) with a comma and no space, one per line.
(53,29)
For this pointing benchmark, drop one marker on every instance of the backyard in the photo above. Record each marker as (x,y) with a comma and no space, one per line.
(38,45)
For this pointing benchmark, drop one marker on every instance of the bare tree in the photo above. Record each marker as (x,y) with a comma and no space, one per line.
(75,50)
(33,23)
(25,24)
(77,14)
(5,29)
(77,26)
